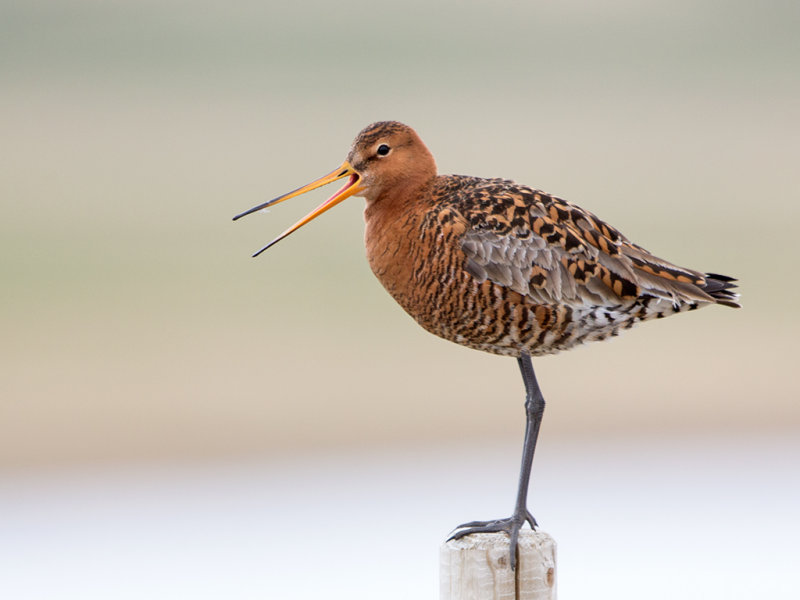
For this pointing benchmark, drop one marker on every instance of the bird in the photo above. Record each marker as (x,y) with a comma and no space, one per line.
(501,267)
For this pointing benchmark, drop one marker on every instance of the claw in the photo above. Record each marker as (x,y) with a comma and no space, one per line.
(529,518)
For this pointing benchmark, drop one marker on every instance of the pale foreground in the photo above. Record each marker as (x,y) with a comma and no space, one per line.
(646,518)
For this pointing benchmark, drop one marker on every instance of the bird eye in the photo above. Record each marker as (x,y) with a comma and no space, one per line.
(383,150)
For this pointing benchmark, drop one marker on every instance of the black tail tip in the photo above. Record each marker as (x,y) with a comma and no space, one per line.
(719,287)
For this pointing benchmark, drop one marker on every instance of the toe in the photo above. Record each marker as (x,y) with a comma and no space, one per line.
(479,523)
(491,528)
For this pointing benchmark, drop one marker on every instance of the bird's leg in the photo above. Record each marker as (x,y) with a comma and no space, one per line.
(534,409)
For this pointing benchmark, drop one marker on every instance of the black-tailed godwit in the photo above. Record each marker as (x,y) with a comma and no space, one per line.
(501,267)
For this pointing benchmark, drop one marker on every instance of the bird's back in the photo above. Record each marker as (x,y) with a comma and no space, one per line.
(504,268)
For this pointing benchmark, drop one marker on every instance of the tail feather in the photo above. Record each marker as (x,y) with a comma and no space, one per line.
(719,287)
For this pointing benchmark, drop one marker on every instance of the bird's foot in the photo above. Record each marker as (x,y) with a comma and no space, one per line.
(510,526)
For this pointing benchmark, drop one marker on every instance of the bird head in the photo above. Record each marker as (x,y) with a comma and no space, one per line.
(387,159)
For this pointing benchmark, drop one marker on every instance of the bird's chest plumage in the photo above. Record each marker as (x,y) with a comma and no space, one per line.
(417,256)
(406,255)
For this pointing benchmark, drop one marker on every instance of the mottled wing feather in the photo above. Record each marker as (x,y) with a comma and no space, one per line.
(555,252)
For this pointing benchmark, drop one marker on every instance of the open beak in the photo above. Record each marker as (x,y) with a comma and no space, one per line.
(352,186)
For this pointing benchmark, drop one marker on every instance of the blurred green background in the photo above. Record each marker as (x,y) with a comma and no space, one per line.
(135,326)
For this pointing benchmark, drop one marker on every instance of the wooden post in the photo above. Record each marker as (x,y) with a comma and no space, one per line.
(476,567)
